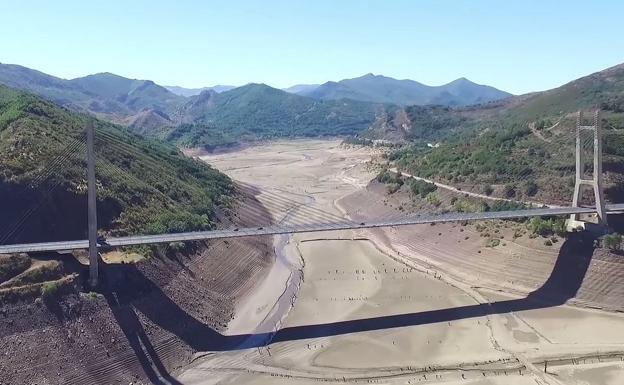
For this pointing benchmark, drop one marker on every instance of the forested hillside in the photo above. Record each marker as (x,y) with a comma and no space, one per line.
(143,185)
(257,111)
(524,146)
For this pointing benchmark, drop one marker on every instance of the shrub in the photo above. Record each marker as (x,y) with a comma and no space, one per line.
(433,199)
(612,242)
(530,189)
(488,190)
(509,191)
(493,242)
(176,246)
(49,289)
(421,187)
(547,227)
(388,177)
(504,206)
(391,188)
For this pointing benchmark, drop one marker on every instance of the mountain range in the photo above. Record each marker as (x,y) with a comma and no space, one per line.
(382,89)
(152,109)
(522,145)
(603,89)
(372,106)
(498,132)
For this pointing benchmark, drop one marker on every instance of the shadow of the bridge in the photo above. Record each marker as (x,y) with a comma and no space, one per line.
(563,284)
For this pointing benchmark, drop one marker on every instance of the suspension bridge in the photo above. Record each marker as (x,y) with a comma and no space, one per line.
(333,223)
(315,227)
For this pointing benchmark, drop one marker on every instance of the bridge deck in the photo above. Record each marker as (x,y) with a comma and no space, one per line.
(316,227)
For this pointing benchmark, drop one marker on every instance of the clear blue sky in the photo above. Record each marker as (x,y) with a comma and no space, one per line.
(518,46)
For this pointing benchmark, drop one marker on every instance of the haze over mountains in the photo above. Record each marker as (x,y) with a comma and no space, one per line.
(196,91)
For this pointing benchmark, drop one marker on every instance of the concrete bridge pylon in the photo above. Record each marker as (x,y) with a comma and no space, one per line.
(582,181)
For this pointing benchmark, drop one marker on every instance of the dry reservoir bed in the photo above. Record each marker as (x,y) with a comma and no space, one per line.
(366,312)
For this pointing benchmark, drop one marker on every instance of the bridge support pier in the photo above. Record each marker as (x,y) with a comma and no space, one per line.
(92,207)
(595,182)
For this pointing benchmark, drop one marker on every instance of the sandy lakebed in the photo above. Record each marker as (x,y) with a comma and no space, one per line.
(365,307)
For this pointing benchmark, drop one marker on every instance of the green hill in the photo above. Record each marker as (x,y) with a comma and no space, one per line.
(523,146)
(134,94)
(144,185)
(108,96)
(210,119)
(257,111)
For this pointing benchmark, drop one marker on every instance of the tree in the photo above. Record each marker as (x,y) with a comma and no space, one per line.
(531,188)
(509,191)
(422,188)
(612,242)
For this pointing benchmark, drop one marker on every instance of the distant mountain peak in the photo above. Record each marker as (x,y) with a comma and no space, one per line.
(462,80)
(383,89)
(103,75)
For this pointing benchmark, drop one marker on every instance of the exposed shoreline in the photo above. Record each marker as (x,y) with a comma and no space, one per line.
(352,276)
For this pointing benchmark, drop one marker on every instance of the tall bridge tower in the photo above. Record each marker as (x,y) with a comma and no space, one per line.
(595,180)
(92,206)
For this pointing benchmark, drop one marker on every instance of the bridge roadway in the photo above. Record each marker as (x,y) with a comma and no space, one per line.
(303,228)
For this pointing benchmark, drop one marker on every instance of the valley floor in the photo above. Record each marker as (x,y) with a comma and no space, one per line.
(424,304)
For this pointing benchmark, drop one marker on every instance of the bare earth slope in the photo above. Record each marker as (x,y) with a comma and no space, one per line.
(150,320)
